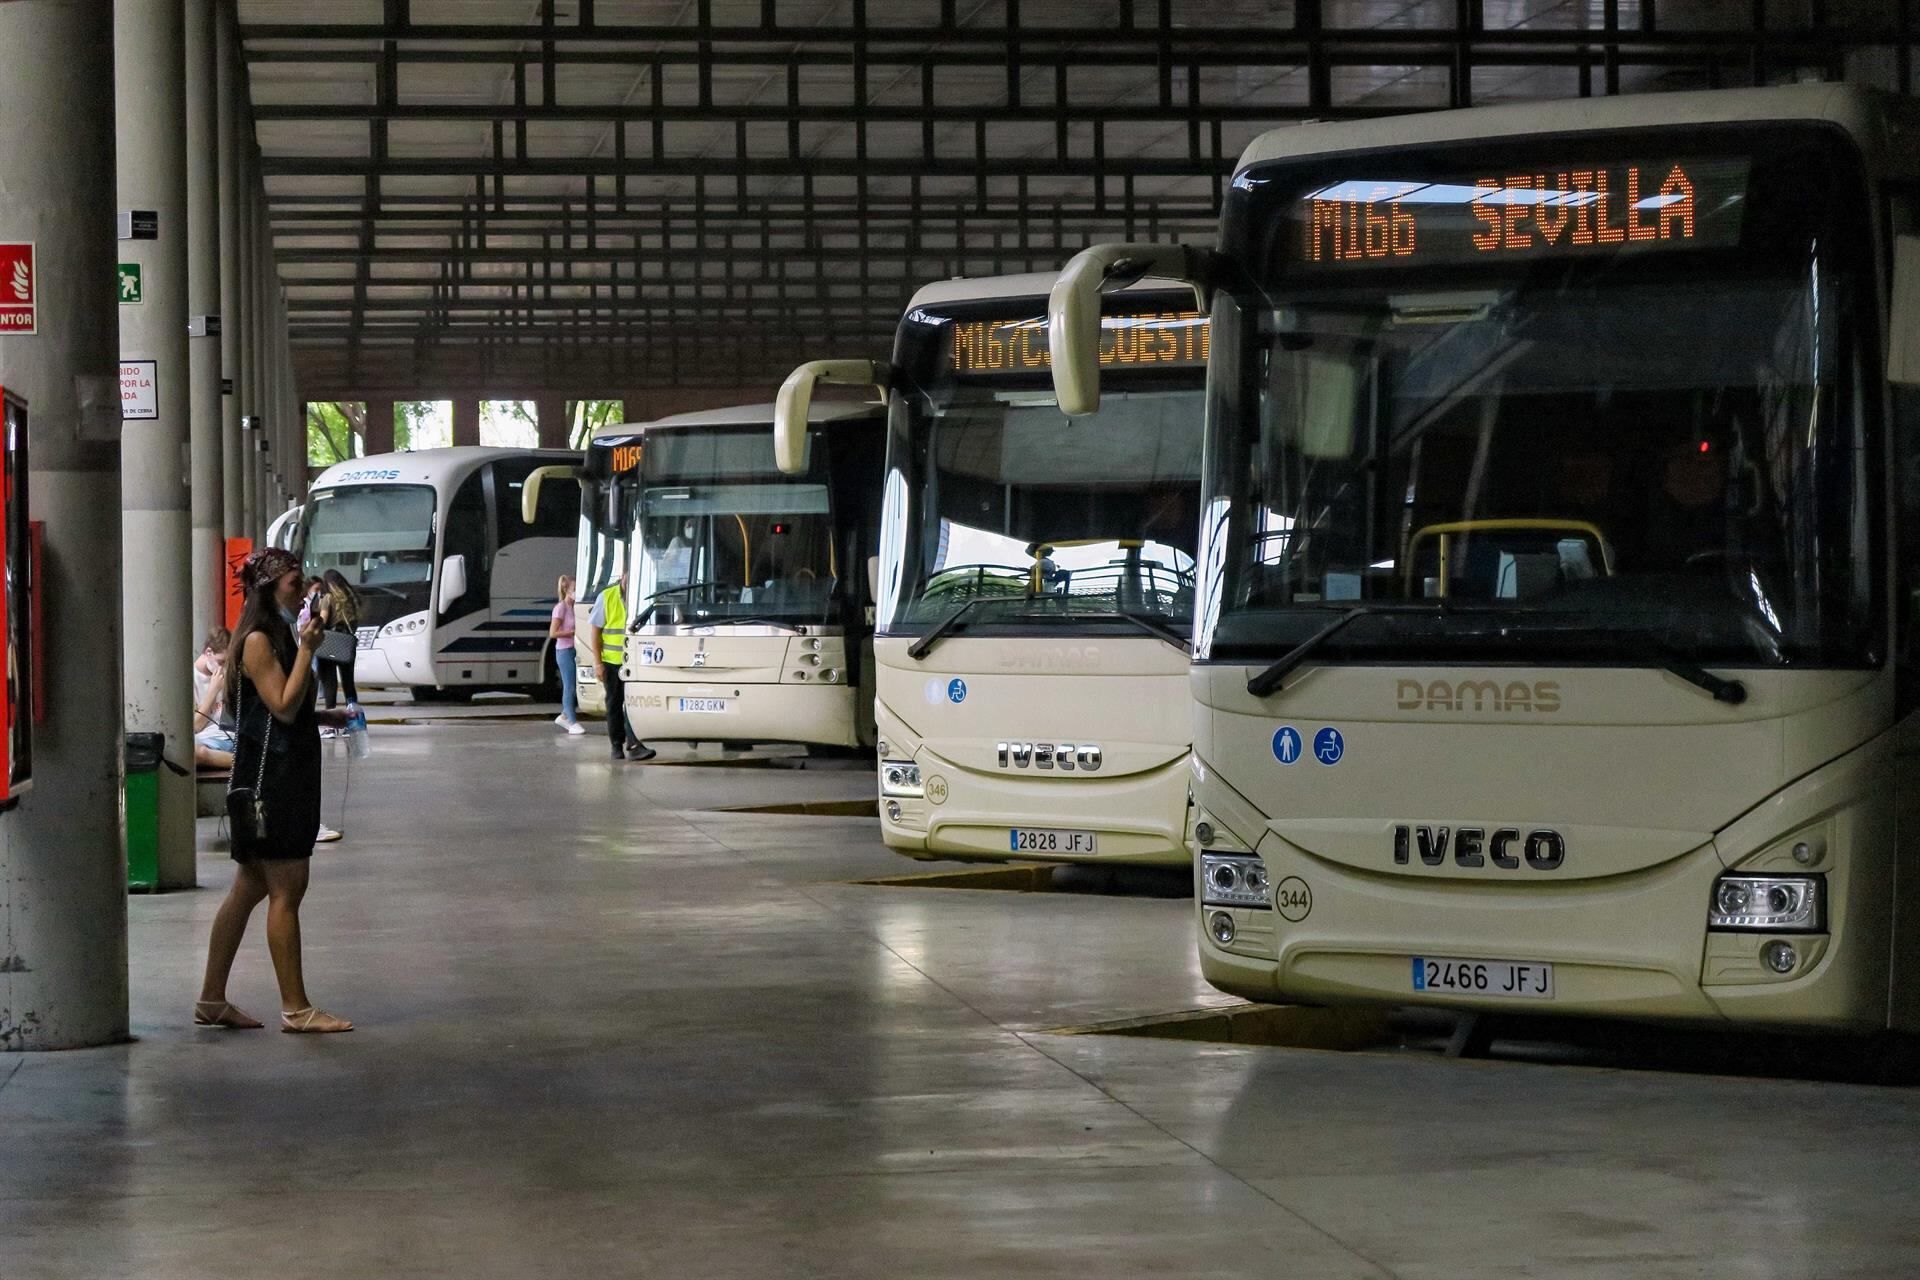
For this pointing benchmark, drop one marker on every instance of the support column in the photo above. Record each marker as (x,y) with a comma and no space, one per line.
(466,422)
(233,515)
(63,873)
(246,373)
(157,599)
(379,437)
(551,412)
(204,319)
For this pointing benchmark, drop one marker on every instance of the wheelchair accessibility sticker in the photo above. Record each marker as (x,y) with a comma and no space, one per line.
(1329,746)
(940,689)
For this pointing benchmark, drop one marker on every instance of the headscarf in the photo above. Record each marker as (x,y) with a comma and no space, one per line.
(264,568)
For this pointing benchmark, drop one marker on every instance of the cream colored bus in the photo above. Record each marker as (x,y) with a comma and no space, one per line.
(1036,578)
(752,620)
(1560,552)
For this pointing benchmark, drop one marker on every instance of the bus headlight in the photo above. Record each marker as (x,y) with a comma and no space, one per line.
(1233,881)
(901,778)
(1775,904)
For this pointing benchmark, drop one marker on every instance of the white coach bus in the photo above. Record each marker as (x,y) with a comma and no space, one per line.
(1559,624)
(456,584)
(1036,578)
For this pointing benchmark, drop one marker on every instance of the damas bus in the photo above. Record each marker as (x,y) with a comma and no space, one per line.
(607,477)
(1561,559)
(455,584)
(752,613)
(1036,578)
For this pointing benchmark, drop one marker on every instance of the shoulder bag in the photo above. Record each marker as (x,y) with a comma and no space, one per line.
(337,647)
(247,806)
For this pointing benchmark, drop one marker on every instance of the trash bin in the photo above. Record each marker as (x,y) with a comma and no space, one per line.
(144,752)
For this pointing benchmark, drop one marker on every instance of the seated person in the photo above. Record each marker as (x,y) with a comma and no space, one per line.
(213,740)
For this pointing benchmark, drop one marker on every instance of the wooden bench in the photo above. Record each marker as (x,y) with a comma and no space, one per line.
(210,792)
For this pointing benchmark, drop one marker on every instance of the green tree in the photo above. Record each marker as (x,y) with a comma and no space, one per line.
(335,431)
(584,417)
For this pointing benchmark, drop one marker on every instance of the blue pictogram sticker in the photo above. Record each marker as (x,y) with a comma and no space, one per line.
(1286,744)
(1329,746)
(957,690)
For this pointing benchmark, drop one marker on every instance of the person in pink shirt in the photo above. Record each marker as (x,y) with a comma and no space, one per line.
(562,633)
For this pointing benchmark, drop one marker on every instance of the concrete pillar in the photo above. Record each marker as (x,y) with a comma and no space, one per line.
(226,52)
(63,873)
(246,372)
(204,317)
(262,391)
(379,437)
(466,422)
(551,413)
(157,600)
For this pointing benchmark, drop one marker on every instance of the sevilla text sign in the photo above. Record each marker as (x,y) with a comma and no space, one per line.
(18,284)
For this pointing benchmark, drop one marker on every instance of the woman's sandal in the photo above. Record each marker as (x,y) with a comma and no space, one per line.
(300,1022)
(222,1014)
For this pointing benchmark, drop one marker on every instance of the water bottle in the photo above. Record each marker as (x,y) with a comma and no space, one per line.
(358,747)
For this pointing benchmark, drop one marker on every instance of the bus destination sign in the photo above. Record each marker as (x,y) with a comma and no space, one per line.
(1149,340)
(1565,210)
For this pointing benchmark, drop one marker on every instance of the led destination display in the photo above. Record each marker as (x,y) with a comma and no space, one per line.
(1158,340)
(1557,211)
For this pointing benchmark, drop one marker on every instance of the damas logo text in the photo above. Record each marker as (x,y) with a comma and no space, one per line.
(1541,696)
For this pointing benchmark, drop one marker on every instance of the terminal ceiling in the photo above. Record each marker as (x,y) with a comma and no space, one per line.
(598,196)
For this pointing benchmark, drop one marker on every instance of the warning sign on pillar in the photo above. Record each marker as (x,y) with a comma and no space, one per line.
(18,284)
(139,391)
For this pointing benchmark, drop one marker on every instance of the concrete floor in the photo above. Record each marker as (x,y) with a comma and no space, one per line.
(604,1031)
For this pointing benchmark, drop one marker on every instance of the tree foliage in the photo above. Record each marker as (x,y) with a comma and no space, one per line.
(584,417)
(335,430)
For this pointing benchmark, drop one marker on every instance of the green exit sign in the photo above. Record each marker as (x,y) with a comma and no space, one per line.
(131,289)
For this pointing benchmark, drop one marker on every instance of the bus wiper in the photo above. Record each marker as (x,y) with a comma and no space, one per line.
(728,620)
(1146,622)
(918,649)
(686,586)
(1731,692)
(1268,681)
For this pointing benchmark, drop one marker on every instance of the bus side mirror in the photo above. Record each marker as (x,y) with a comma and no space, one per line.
(1073,310)
(795,402)
(530,491)
(1903,328)
(453,581)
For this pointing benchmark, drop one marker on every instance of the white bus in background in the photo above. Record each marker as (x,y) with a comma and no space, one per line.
(1036,578)
(1558,641)
(751,619)
(455,584)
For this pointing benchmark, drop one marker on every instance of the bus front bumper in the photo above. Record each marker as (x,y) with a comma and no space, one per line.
(708,711)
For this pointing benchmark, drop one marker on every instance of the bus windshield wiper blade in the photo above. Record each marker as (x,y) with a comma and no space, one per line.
(1146,622)
(918,649)
(1731,692)
(753,619)
(685,586)
(1268,681)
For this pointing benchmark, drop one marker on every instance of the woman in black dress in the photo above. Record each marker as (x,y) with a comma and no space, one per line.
(272,701)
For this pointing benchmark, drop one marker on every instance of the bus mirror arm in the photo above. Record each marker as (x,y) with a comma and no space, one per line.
(794,404)
(1903,328)
(1073,309)
(530,491)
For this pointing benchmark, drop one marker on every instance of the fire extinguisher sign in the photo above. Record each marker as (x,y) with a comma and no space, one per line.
(18,282)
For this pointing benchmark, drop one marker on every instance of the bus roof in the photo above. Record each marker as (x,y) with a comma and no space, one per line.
(1887,127)
(1036,284)
(428,466)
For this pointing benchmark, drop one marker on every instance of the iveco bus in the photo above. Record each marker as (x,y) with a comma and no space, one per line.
(1036,578)
(455,584)
(1561,559)
(752,613)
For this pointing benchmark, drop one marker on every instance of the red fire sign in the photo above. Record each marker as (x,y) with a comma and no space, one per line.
(17,287)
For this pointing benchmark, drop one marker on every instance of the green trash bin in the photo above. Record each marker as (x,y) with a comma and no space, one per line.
(144,752)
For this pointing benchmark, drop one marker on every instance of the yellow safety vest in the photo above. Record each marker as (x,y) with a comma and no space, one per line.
(613,636)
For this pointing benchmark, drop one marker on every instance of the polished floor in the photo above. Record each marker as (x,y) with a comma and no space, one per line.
(606,1030)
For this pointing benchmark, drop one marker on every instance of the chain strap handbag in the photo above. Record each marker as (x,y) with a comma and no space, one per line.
(247,806)
(337,647)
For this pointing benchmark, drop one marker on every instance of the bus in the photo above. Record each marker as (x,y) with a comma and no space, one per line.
(1036,578)
(456,586)
(752,616)
(1561,543)
(283,528)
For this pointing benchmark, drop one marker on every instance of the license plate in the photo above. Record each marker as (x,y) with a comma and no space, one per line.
(1049,840)
(1510,979)
(365,636)
(703,704)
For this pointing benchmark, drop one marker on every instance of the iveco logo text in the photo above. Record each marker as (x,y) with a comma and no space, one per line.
(1478,695)
(1476,847)
(1064,756)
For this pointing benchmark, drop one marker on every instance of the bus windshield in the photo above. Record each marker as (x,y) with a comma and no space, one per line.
(1050,521)
(609,488)
(1606,411)
(725,535)
(380,538)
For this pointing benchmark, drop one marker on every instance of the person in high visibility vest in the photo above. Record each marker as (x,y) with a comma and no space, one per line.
(608,641)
